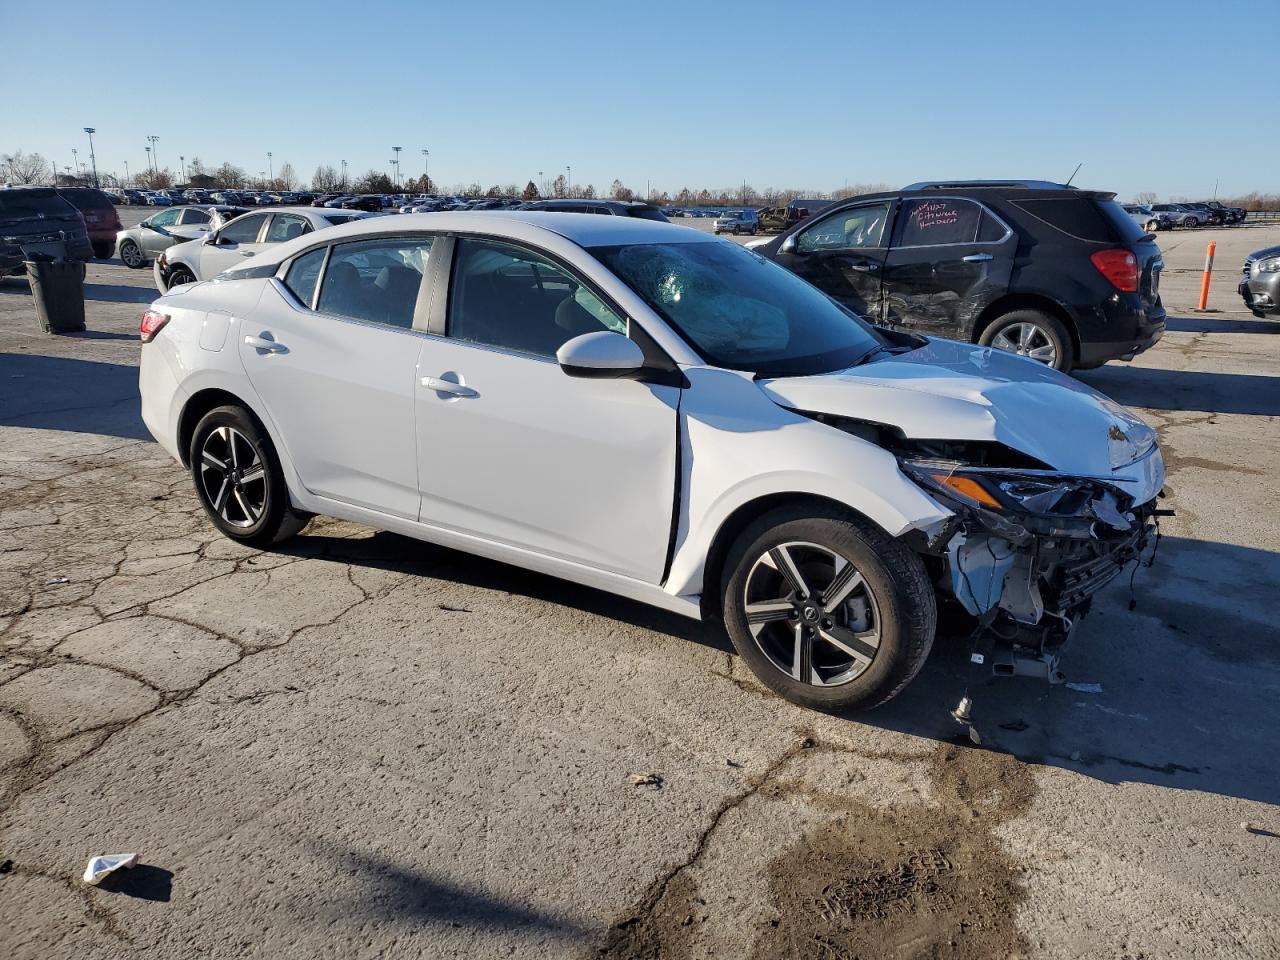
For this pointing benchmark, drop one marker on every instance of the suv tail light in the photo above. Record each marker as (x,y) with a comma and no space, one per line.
(1120,267)
(152,323)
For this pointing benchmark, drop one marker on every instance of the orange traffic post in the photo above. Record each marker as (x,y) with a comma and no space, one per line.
(1208,272)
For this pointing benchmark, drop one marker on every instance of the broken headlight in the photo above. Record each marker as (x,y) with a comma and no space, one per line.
(992,488)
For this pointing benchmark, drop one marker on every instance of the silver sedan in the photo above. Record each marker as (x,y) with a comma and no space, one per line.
(139,245)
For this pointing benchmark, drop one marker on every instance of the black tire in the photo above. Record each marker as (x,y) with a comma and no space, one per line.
(103,251)
(1054,331)
(180,275)
(275,519)
(894,578)
(132,255)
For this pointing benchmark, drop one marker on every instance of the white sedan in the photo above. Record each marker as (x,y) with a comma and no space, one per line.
(247,235)
(656,413)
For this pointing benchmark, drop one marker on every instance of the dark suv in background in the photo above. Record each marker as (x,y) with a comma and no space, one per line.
(1061,275)
(100,217)
(38,220)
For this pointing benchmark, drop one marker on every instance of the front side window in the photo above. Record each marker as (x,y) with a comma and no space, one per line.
(739,310)
(303,273)
(857,227)
(505,296)
(375,280)
(242,229)
(286,226)
(166,219)
(195,215)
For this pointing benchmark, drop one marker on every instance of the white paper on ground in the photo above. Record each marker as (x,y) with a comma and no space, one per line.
(100,867)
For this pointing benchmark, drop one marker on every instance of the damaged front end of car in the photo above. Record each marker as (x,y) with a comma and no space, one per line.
(1025,551)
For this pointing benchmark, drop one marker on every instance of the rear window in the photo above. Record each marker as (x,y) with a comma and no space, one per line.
(648,213)
(87,199)
(25,203)
(335,219)
(1096,221)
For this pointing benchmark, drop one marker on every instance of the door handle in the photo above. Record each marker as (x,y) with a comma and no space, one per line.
(247,253)
(863,267)
(265,344)
(448,386)
(977,257)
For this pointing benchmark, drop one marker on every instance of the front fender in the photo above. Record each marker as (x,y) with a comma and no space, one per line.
(738,446)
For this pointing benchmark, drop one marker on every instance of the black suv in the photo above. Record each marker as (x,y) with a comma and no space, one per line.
(38,220)
(1044,270)
(617,208)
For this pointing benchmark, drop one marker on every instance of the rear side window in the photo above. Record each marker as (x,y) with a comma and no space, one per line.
(376,280)
(195,215)
(286,226)
(1079,217)
(930,222)
(303,273)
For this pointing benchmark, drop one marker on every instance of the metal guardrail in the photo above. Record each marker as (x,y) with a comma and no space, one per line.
(1262,216)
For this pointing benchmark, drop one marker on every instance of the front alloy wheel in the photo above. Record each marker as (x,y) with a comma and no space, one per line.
(812,614)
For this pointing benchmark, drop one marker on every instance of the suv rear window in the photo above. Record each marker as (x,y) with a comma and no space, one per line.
(648,213)
(86,199)
(25,203)
(1097,221)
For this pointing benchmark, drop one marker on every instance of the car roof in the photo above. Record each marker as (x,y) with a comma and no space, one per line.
(584,229)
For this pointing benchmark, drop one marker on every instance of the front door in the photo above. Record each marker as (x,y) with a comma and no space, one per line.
(155,233)
(234,242)
(513,450)
(339,379)
(843,254)
(950,258)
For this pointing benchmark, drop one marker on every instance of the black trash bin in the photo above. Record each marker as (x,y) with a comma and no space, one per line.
(57,286)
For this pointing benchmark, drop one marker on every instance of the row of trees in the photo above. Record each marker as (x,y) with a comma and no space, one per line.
(20,167)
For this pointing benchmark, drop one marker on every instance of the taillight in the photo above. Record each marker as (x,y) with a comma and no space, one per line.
(1120,267)
(152,323)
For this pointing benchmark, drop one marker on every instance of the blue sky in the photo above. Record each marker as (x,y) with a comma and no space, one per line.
(1163,97)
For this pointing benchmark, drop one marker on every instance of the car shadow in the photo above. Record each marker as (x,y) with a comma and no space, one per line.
(1180,692)
(119,293)
(1221,323)
(1158,389)
(63,393)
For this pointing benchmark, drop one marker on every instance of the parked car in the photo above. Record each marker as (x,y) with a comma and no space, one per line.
(1051,272)
(1181,216)
(1260,283)
(134,198)
(369,202)
(616,208)
(662,415)
(157,199)
(1146,218)
(139,245)
(100,217)
(249,234)
(1227,214)
(737,221)
(773,219)
(39,220)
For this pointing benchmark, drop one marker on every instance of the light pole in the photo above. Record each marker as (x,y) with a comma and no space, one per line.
(155,153)
(396,161)
(182,167)
(568,184)
(426,170)
(344,176)
(75,161)
(542,185)
(127,178)
(271,171)
(150,167)
(91,131)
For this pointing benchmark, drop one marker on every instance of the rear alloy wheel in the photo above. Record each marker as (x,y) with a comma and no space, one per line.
(239,481)
(826,610)
(180,275)
(132,256)
(1033,334)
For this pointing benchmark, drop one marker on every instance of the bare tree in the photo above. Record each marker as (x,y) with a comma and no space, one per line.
(325,179)
(1147,196)
(229,175)
(620,191)
(560,186)
(287,179)
(195,168)
(19,167)
(374,182)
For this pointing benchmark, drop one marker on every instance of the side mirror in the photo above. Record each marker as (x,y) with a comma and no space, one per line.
(788,245)
(211,236)
(603,355)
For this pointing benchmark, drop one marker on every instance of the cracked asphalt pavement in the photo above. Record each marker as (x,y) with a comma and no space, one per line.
(359,745)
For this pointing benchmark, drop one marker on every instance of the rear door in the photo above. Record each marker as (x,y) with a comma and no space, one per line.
(950,258)
(843,255)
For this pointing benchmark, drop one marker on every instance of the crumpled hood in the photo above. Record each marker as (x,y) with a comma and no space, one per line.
(1264,253)
(957,391)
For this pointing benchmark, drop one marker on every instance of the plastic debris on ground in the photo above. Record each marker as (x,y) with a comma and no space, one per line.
(100,868)
(1085,687)
(646,780)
